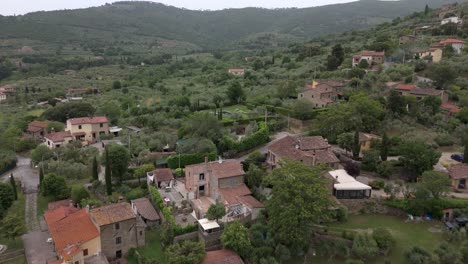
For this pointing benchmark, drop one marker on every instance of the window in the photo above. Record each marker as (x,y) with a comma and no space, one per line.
(117,226)
(118,240)
(141,233)
(79,127)
(118,254)
(85,252)
(202,177)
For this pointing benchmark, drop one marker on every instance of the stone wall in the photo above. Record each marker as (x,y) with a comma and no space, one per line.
(189,236)
(109,234)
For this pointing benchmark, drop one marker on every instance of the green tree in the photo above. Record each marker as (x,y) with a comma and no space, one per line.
(426,10)
(432,103)
(186,252)
(417,255)
(363,64)
(396,103)
(448,51)
(41,175)
(364,247)
(216,211)
(254,176)
(95,170)
(41,153)
(464,252)
(418,157)
(201,125)
(442,73)
(356,145)
(286,89)
(12,226)
(55,186)
(116,85)
(310,195)
(235,93)
(436,183)
(119,157)
(13,186)
(336,58)
(55,126)
(356,72)
(78,193)
(141,171)
(236,237)
(384,147)
(346,141)
(370,160)
(383,238)
(6,196)
(448,254)
(108,174)
(255,158)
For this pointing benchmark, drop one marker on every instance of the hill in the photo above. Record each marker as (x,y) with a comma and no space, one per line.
(141,21)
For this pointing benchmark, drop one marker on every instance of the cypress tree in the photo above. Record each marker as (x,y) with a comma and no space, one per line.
(41,175)
(384,147)
(356,146)
(95,169)
(108,174)
(13,186)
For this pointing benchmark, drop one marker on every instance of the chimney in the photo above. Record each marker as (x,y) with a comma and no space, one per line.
(206,159)
(87,208)
(220,160)
(121,199)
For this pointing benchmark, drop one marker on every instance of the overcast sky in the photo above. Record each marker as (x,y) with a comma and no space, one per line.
(11,7)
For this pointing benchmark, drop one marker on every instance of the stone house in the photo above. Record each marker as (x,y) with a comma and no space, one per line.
(57,139)
(459,176)
(143,208)
(308,150)
(237,72)
(457,45)
(120,229)
(74,235)
(161,177)
(421,93)
(322,92)
(223,182)
(432,54)
(37,129)
(88,128)
(372,57)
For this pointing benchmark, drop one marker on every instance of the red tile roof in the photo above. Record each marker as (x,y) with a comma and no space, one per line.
(55,214)
(452,41)
(370,53)
(88,120)
(163,175)
(57,204)
(458,171)
(325,157)
(231,195)
(113,213)
(314,142)
(406,87)
(451,107)
(304,147)
(223,169)
(250,201)
(146,209)
(71,231)
(223,256)
(58,136)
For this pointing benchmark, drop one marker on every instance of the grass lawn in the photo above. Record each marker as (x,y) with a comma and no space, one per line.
(152,250)
(36,112)
(407,235)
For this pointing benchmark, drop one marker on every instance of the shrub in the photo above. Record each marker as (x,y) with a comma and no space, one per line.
(258,138)
(385,169)
(364,247)
(342,214)
(377,184)
(383,238)
(188,159)
(78,193)
(7,161)
(444,140)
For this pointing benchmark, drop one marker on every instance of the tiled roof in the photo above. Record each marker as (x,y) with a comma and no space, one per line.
(426,91)
(370,53)
(250,201)
(314,142)
(367,137)
(451,107)
(297,149)
(163,175)
(223,169)
(57,213)
(458,171)
(323,88)
(88,120)
(223,256)
(41,124)
(71,231)
(146,209)
(58,136)
(406,87)
(325,157)
(232,194)
(57,204)
(451,41)
(113,213)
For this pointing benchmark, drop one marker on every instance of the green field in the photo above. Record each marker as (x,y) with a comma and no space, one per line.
(407,235)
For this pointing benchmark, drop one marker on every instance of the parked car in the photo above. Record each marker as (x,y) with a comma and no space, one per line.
(458,157)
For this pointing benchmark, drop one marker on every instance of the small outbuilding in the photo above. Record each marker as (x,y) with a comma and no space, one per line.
(346,186)
(161,177)
(146,211)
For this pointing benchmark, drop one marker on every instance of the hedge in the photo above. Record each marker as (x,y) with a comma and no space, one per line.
(7,161)
(158,202)
(189,159)
(247,120)
(433,206)
(256,139)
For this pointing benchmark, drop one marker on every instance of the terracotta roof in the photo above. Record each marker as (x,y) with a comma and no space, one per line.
(58,136)
(325,157)
(225,169)
(163,175)
(426,91)
(314,142)
(250,201)
(406,87)
(113,213)
(223,256)
(231,195)
(57,204)
(323,88)
(451,107)
(88,120)
(55,214)
(146,209)
(298,149)
(71,231)
(41,124)
(371,53)
(367,137)
(451,41)
(458,171)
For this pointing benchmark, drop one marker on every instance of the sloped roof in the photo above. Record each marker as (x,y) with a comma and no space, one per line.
(232,194)
(451,107)
(71,231)
(163,175)
(88,120)
(313,142)
(367,137)
(223,256)
(426,91)
(406,87)
(146,209)
(325,157)
(41,124)
(452,41)
(343,181)
(458,171)
(250,201)
(113,213)
(55,214)
(58,136)
(219,169)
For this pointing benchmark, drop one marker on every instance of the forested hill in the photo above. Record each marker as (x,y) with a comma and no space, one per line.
(123,21)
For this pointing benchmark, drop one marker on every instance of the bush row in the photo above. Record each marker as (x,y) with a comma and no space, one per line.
(189,159)
(256,139)
(432,206)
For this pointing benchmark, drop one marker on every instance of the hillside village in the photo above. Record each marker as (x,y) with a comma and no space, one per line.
(348,148)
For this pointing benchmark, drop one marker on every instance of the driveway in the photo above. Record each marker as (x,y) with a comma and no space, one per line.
(36,248)
(444,161)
